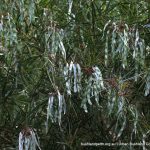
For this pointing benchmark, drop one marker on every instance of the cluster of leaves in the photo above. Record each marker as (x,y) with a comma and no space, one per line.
(72,57)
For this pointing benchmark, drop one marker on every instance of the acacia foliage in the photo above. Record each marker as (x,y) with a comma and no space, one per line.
(75,71)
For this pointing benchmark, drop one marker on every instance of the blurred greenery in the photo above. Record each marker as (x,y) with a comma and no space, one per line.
(38,38)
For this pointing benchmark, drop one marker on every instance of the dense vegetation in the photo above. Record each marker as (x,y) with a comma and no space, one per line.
(73,72)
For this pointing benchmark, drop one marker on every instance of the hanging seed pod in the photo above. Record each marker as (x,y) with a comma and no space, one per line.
(112,98)
(106,49)
(9,31)
(122,127)
(113,40)
(31,11)
(125,42)
(67,79)
(125,46)
(70,3)
(28,140)
(94,86)
(144,139)
(1,25)
(79,76)
(147,25)
(72,74)
(147,86)
(55,45)
(56,106)
(135,117)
